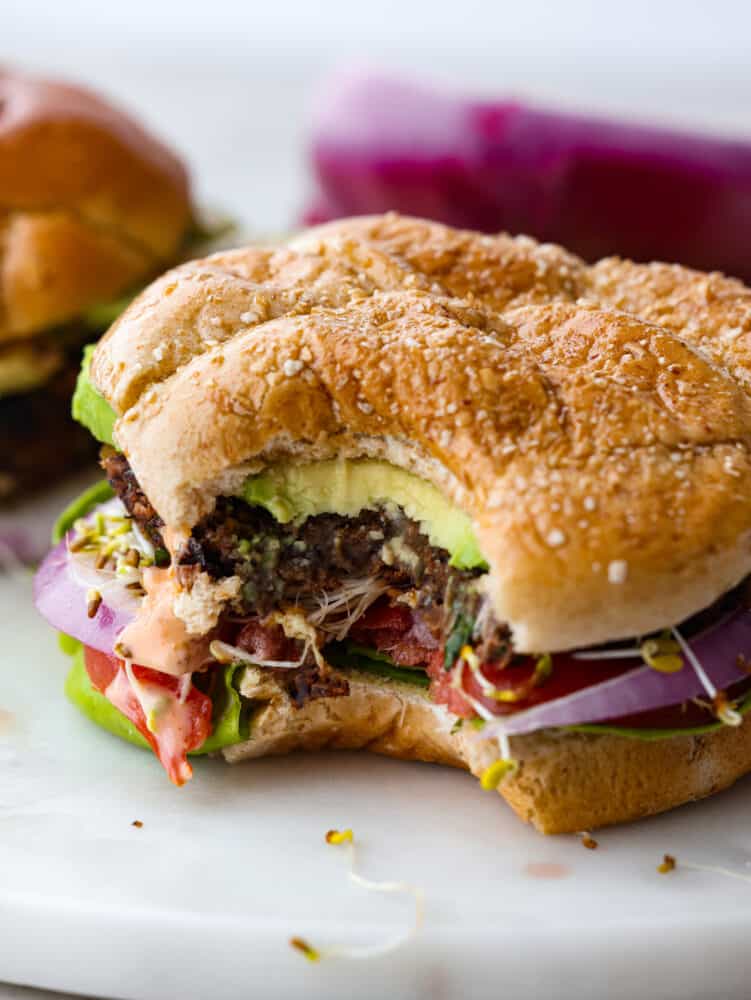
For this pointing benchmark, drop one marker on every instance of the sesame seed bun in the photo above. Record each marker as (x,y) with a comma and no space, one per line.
(594,423)
(92,204)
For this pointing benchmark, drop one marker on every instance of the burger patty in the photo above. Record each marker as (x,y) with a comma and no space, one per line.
(290,562)
(123,481)
(304,562)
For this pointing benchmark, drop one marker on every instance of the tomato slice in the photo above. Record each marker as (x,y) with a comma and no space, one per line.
(568,675)
(179,715)
(387,628)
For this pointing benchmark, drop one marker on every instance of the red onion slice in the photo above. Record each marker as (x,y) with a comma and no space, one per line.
(60,597)
(643,688)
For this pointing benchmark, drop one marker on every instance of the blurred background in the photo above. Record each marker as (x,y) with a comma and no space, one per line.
(230,82)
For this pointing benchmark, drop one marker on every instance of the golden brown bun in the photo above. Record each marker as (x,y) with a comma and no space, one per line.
(567,782)
(603,459)
(91,203)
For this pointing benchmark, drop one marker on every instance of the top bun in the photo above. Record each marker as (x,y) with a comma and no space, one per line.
(91,203)
(594,422)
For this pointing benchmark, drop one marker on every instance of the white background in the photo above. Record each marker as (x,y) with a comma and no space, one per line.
(229,82)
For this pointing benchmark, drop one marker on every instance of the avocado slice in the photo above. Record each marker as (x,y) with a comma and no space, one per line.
(346,486)
(89,408)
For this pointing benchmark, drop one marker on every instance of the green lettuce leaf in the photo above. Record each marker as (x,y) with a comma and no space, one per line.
(231,714)
(349,655)
(650,735)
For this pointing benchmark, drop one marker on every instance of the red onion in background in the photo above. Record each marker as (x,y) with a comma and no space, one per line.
(597,186)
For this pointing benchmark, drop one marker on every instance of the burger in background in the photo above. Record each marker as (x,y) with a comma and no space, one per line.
(91,207)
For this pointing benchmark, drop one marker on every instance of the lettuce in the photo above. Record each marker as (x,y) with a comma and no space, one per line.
(650,735)
(348,655)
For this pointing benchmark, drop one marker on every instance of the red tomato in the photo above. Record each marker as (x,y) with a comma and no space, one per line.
(182,720)
(384,627)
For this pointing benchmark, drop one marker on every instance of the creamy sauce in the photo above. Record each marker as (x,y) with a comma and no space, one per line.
(157,638)
(167,719)
(173,540)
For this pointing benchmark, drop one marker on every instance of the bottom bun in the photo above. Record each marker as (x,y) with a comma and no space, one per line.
(566,782)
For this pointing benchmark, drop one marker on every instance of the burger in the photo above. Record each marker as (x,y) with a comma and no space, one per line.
(92,208)
(443,496)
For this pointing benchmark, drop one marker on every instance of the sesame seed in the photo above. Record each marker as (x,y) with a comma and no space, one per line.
(555,538)
(247,317)
(617,571)
(292,367)
(364,406)
(590,503)
(730,468)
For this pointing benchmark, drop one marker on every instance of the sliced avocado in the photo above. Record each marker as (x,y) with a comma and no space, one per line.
(96,494)
(91,409)
(230,722)
(345,486)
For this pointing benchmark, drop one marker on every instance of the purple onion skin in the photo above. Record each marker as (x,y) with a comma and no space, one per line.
(62,602)
(598,187)
(643,688)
